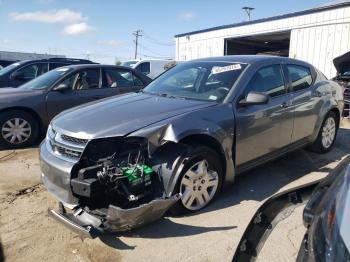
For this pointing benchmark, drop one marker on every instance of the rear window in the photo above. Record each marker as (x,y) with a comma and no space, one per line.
(300,77)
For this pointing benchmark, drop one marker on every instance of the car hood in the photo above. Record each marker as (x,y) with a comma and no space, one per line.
(342,63)
(121,115)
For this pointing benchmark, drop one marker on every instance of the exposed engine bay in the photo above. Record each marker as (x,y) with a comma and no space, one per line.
(125,182)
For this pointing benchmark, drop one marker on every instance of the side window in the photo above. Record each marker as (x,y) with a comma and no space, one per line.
(144,68)
(118,78)
(33,70)
(56,65)
(85,79)
(268,80)
(300,76)
(137,80)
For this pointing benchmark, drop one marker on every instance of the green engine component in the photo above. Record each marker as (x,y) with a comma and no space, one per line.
(134,174)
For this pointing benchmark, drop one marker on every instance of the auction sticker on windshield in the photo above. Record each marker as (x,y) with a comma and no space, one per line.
(222,69)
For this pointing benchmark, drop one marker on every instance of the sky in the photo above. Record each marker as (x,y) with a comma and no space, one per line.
(103,30)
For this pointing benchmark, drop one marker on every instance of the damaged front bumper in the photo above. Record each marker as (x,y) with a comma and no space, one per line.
(88,225)
(79,213)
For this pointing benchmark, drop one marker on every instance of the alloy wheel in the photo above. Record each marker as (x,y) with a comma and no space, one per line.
(328,132)
(198,185)
(16,131)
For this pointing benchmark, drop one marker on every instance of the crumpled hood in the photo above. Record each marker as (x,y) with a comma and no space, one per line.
(121,115)
(342,63)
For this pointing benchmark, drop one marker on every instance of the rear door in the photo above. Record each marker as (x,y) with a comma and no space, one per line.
(82,86)
(306,103)
(122,80)
(262,129)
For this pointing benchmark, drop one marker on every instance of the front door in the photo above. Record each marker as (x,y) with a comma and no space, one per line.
(82,87)
(262,129)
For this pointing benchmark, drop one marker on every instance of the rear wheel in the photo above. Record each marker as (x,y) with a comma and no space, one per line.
(17,129)
(200,180)
(327,134)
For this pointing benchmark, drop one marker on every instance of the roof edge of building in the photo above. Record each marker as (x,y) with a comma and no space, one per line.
(267,19)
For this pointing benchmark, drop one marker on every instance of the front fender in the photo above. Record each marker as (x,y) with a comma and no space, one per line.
(217,124)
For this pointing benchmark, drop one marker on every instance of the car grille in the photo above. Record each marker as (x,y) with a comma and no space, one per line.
(346,99)
(66,147)
(74,140)
(347,94)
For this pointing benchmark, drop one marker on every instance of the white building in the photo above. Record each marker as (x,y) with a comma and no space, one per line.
(317,36)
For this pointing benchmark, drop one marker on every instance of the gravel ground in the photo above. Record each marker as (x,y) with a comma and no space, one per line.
(27,234)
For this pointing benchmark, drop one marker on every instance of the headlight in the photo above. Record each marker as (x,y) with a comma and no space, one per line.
(331,232)
(50,133)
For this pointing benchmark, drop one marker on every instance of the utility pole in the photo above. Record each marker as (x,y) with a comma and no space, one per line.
(137,34)
(248,10)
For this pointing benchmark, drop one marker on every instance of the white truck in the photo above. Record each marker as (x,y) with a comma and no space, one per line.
(149,67)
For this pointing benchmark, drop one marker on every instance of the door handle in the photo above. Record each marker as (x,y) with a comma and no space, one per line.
(285,105)
(96,97)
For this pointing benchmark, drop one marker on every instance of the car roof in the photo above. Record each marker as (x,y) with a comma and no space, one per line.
(249,59)
(82,66)
(55,60)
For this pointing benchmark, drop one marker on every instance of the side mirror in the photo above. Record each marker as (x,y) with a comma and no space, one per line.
(254,98)
(61,87)
(18,75)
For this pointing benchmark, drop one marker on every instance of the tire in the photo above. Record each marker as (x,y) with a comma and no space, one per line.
(329,128)
(26,133)
(193,189)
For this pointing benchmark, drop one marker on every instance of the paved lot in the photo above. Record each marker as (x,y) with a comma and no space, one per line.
(27,234)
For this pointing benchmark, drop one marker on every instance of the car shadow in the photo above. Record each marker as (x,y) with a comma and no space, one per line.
(257,184)
(266,180)
(163,228)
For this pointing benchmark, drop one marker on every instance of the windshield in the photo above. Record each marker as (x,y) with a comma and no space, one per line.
(8,68)
(207,81)
(47,79)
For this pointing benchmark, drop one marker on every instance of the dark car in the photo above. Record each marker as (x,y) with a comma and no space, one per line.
(26,111)
(18,73)
(125,160)
(326,217)
(342,64)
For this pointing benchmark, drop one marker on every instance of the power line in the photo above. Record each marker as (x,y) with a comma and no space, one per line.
(137,34)
(159,57)
(151,51)
(155,41)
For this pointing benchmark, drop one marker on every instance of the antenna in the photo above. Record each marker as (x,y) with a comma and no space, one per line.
(248,11)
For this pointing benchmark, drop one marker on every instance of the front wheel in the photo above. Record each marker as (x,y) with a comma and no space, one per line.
(200,180)
(17,129)
(327,134)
